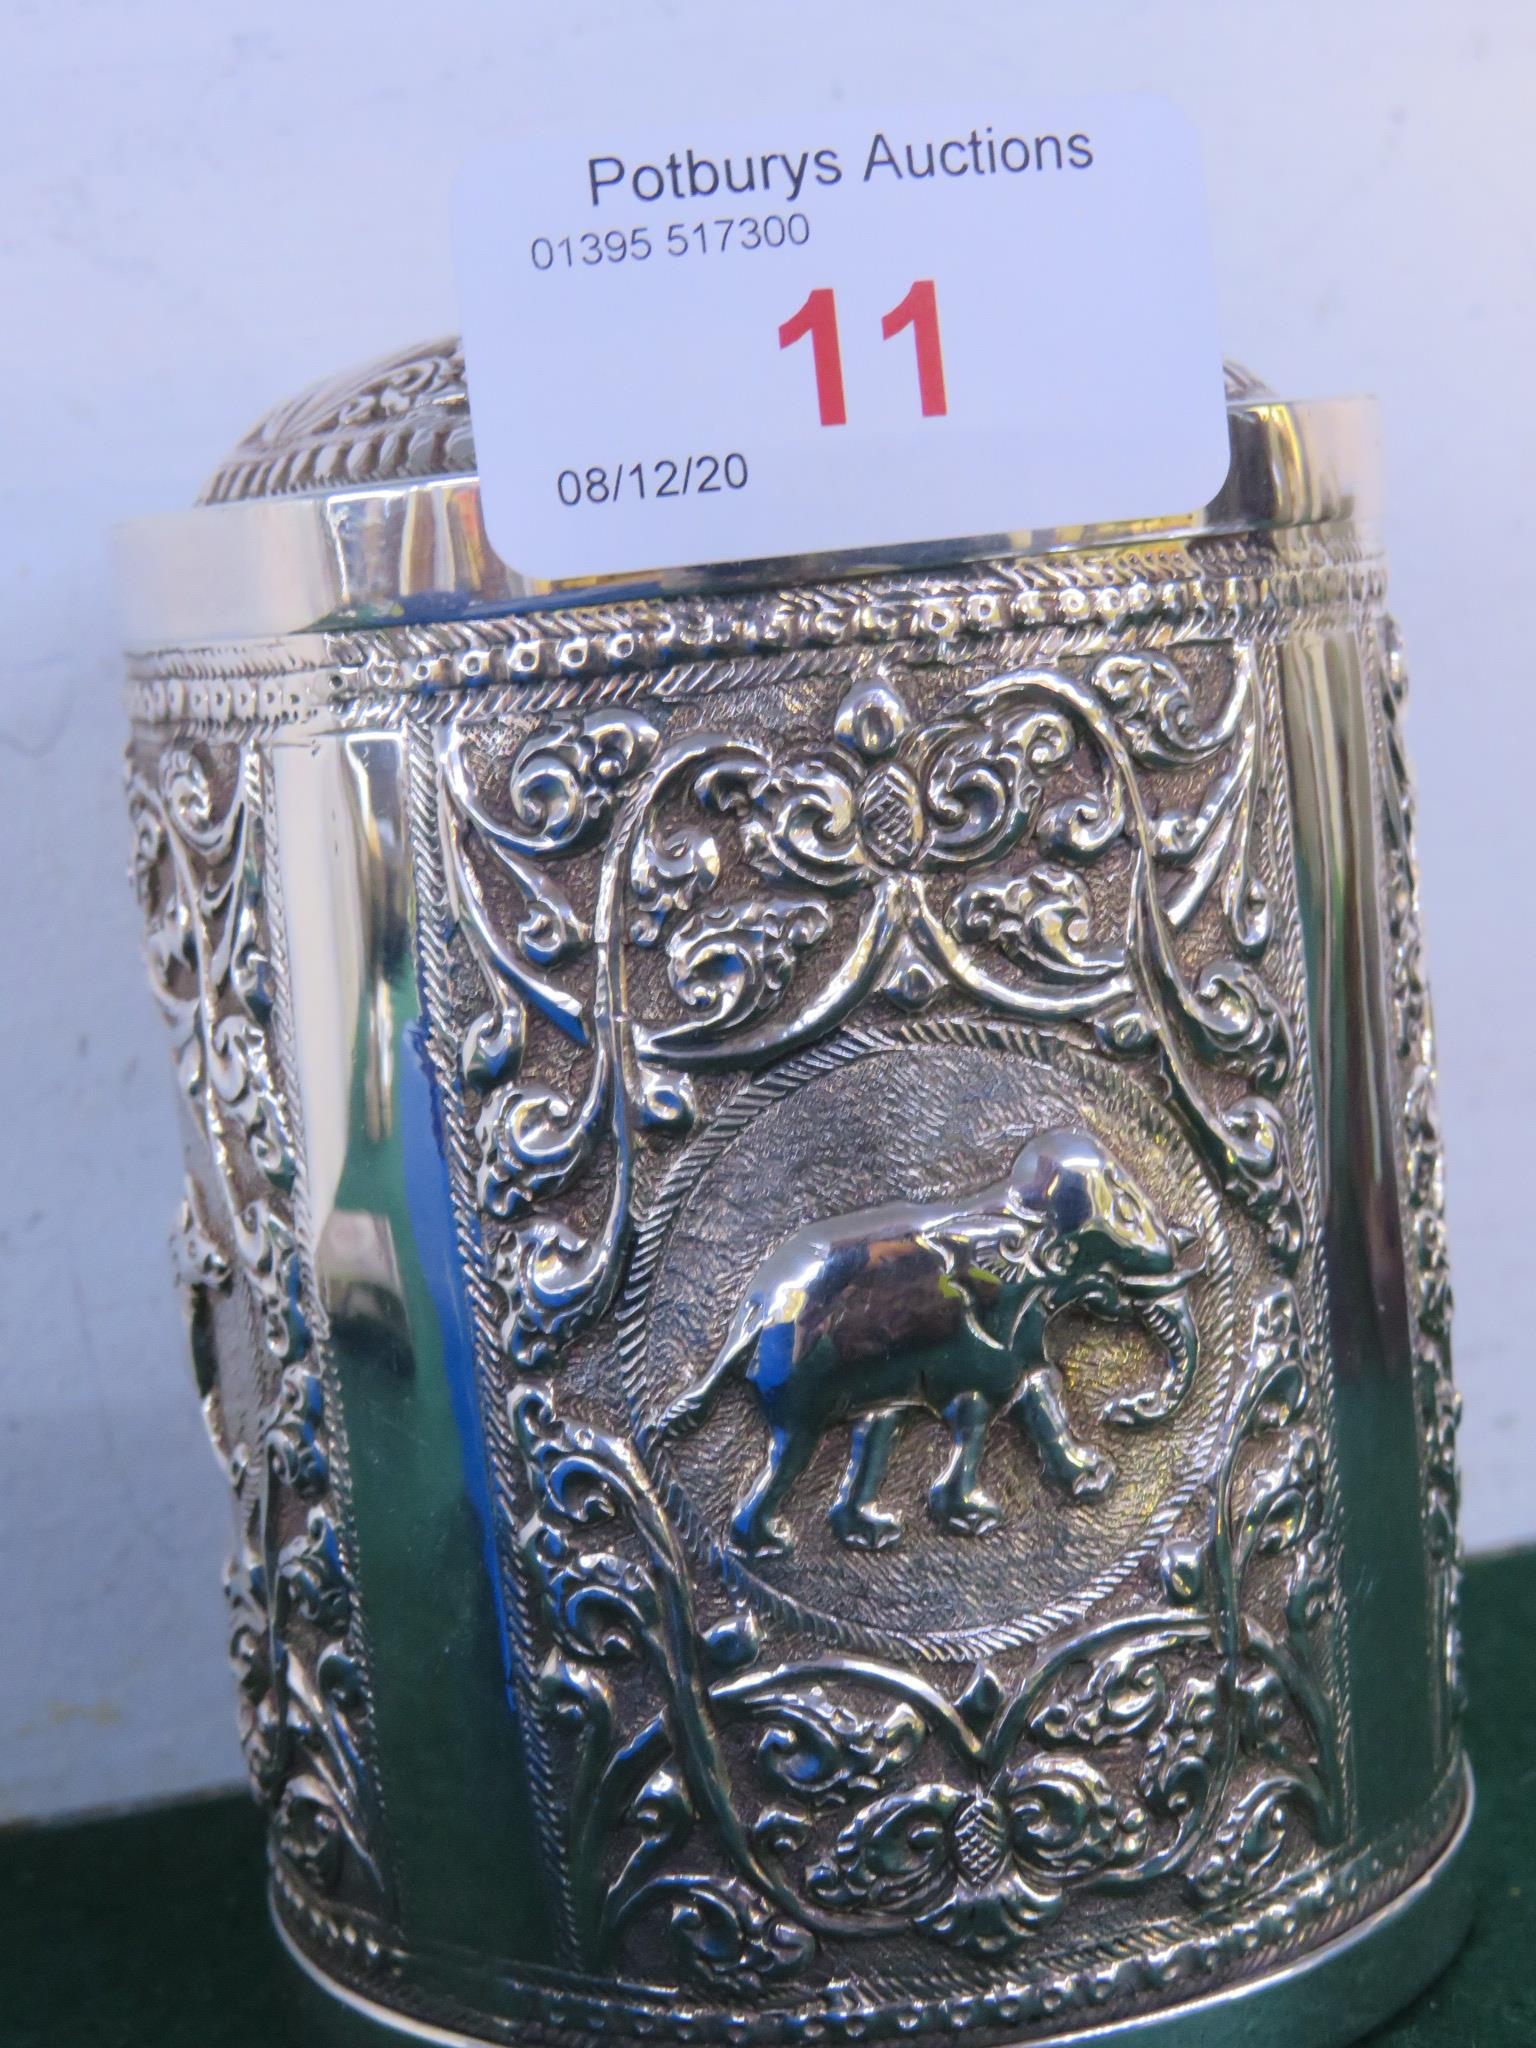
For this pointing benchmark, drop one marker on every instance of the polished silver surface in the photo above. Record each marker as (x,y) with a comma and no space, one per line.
(814,1244)
(358,505)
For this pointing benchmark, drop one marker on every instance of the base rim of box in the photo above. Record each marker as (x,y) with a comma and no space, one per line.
(1332,1995)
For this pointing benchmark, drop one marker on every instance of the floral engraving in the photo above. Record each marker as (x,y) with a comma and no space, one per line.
(1043,847)
(1428,1263)
(301,1706)
(766,1809)
(198,874)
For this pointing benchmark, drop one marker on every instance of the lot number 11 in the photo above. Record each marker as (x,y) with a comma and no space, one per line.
(817,318)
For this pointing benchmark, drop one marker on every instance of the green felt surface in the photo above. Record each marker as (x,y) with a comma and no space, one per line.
(149,1930)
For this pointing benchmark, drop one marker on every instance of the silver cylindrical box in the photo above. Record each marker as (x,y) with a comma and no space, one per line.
(813,1241)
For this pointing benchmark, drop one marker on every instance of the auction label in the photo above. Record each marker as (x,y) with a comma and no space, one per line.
(735,343)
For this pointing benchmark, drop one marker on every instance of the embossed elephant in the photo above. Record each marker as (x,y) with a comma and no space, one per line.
(943,1307)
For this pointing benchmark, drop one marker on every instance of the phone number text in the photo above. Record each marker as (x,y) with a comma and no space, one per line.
(680,238)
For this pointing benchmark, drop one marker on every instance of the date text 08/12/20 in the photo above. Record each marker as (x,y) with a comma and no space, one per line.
(692,176)
(665,477)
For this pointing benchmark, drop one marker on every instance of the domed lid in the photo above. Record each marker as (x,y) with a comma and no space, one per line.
(357,503)
(406,416)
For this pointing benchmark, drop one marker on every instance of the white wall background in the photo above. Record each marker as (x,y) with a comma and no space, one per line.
(204,207)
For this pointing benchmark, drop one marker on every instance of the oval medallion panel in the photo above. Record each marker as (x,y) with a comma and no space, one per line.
(927,1338)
